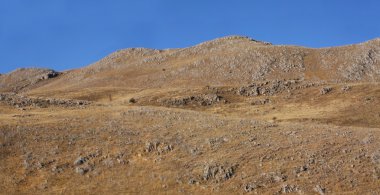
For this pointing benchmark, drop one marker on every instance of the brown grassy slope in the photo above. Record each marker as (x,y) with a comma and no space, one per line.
(38,148)
(225,61)
(299,141)
(358,106)
(24,78)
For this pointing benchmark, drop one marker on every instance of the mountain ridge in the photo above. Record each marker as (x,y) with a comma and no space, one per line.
(230,60)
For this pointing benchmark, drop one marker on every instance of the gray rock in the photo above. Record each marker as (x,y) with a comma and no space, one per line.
(202,100)
(81,170)
(376,173)
(300,169)
(289,188)
(376,158)
(192,181)
(80,160)
(325,90)
(151,146)
(108,162)
(368,139)
(320,189)
(250,187)
(260,102)
(218,172)
(49,75)
(346,88)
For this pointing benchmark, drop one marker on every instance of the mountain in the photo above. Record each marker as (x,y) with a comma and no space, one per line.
(232,60)
(229,116)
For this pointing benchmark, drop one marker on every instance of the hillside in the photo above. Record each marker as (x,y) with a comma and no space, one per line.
(22,78)
(230,60)
(229,116)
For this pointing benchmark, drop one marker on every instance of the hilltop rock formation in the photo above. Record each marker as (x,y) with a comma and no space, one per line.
(24,77)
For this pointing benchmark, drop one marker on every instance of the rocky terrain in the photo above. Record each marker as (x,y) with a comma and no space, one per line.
(229,116)
(24,77)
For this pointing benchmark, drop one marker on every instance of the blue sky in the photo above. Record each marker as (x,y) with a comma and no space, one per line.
(66,34)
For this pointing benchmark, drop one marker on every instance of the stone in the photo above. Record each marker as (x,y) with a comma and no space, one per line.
(289,188)
(376,157)
(81,170)
(250,187)
(151,146)
(218,172)
(320,189)
(79,161)
(346,88)
(325,90)
(132,100)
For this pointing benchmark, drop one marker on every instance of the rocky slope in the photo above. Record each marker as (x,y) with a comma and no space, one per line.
(24,77)
(228,116)
(230,60)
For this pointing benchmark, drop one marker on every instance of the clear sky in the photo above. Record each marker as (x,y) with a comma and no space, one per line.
(66,34)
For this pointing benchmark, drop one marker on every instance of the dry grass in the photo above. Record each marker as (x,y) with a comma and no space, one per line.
(285,138)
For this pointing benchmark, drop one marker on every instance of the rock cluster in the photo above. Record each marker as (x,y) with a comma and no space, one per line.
(158,147)
(325,90)
(261,102)
(218,172)
(19,101)
(273,87)
(202,100)
(50,74)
